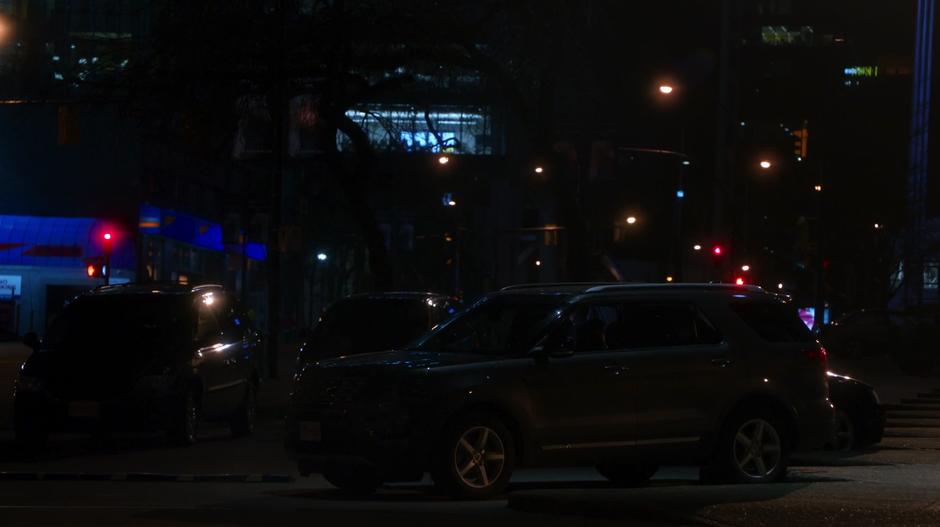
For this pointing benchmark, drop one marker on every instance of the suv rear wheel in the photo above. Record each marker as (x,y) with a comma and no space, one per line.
(185,428)
(243,421)
(475,457)
(753,448)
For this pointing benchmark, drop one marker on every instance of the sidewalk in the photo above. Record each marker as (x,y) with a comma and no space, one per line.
(831,497)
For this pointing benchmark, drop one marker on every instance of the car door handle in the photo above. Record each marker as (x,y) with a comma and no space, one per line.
(722,363)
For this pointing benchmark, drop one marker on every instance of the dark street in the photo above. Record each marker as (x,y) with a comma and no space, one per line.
(469,262)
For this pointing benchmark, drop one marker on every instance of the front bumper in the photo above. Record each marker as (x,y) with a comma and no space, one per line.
(380,439)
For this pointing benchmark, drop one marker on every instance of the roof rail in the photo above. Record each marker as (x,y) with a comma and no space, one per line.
(623,285)
(553,284)
(200,287)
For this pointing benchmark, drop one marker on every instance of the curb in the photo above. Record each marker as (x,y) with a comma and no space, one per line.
(146,477)
(525,502)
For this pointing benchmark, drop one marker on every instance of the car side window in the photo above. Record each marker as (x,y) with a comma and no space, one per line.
(207,325)
(230,322)
(643,325)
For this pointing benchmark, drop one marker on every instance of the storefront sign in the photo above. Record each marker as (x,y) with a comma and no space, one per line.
(10,285)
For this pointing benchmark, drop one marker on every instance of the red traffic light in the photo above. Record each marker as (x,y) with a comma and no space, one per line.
(739,281)
(107,236)
(717,250)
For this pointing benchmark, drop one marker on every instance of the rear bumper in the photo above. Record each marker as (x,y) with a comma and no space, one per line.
(135,411)
(815,426)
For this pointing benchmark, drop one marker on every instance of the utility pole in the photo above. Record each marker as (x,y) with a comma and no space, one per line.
(727,110)
(277,108)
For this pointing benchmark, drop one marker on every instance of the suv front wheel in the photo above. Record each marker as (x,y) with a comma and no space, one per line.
(475,457)
(753,449)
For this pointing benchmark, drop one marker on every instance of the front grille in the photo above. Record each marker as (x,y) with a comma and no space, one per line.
(330,391)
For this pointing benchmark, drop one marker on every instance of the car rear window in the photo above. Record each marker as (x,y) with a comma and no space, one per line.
(141,319)
(774,322)
(363,325)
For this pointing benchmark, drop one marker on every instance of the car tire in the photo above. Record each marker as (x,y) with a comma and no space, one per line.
(185,427)
(242,422)
(474,458)
(845,432)
(753,447)
(854,349)
(30,435)
(628,475)
(352,480)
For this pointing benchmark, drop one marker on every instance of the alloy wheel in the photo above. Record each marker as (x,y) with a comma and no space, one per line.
(757,449)
(479,457)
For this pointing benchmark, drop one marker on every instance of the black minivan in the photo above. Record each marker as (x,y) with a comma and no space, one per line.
(140,357)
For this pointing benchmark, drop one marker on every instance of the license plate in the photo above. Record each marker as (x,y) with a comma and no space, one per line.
(84,409)
(310,431)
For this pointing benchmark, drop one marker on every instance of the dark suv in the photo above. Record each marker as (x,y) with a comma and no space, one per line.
(140,357)
(622,377)
(370,322)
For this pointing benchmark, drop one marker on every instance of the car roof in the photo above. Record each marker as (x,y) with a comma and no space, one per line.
(585,288)
(397,295)
(152,289)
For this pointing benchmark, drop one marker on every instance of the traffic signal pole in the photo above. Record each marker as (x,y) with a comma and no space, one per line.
(106,268)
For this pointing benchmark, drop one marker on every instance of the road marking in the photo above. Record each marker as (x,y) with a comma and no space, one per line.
(150,477)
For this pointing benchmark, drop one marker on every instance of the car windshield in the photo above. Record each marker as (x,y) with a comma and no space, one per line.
(364,325)
(496,326)
(117,319)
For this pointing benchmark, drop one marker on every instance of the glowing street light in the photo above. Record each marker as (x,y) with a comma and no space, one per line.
(321,257)
(631,220)
(666,89)
(4,29)
(817,188)
(538,263)
(696,247)
(745,268)
(669,278)
(878,226)
(539,170)
(780,285)
(766,164)
(443,160)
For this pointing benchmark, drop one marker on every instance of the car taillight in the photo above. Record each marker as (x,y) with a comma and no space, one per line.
(819,355)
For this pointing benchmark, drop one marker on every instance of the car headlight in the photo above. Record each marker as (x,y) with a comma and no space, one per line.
(26,383)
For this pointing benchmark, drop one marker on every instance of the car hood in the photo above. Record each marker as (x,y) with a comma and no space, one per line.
(403,360)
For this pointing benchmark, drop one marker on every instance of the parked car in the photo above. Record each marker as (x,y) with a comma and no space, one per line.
(622,377)
(140,357)
(863,332)
(371,322)
(859,417)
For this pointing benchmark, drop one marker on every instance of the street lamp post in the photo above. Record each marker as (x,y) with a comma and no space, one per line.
(667,91)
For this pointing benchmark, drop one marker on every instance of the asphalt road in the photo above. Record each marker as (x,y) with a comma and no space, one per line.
(140,480)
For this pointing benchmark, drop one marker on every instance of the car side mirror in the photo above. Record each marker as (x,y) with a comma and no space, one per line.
(31,339)
(553,348)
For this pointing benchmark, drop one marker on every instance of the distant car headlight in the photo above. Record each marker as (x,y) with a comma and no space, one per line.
(27,383)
